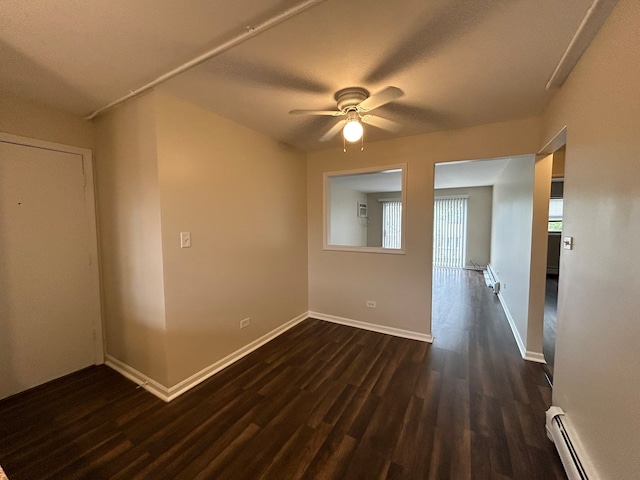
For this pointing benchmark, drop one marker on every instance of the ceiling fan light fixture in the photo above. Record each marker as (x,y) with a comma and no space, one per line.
(352,130)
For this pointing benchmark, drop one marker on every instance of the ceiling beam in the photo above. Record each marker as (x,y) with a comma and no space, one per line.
(591,23)
(250,32)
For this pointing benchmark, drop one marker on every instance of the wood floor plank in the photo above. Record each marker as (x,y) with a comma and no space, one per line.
(321,401)
(298,453)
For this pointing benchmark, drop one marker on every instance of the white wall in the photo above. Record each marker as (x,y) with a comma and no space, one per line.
(479,206)
(597,366)
(346,227)
(511,230)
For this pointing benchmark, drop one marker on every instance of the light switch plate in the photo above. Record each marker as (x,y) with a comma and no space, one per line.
(567,243)
(185,239)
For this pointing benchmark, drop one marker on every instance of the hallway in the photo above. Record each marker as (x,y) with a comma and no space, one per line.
(507,395)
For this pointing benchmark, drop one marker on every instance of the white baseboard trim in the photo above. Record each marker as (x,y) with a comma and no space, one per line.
(526,354)
(512,324)
(214,368)
(534,357)
(140,378)
(168,394)
(396,332)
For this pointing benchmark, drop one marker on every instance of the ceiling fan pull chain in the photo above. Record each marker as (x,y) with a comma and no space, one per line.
(362,142)
(344,144)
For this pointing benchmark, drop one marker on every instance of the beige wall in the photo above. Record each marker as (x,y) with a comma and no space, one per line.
(341,282)
(538,255)
(479,206)
(559,158)
(243,198)
(165,166)
(130,242)
(596,376)
(20,116)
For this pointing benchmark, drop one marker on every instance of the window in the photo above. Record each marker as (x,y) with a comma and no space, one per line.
(449,231)
(391,223)
(555,214)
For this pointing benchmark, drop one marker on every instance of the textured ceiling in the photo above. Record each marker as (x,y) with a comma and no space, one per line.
(469,173)
(458,62)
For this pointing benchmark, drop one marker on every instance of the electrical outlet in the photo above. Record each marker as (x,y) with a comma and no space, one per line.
(371,303)
(245,323)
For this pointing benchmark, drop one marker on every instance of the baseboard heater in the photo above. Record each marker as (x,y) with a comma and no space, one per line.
(559,435)
(491,280)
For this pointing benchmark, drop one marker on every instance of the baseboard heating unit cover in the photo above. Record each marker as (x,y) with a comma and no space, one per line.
(568,450)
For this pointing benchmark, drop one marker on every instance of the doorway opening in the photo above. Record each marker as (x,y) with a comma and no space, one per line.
(554,247)
(463,197)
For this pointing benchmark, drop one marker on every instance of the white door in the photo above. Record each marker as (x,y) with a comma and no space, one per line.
(49,292)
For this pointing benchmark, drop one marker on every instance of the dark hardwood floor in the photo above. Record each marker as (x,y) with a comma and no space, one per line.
(550,323)
(322,401)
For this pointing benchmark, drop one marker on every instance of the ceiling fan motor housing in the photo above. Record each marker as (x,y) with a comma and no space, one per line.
(349,98)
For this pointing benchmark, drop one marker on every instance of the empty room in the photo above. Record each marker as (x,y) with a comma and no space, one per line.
(226,250)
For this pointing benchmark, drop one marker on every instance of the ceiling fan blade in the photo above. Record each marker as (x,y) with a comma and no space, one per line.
(332,113)
(380,122)
(385,96)
(333,131)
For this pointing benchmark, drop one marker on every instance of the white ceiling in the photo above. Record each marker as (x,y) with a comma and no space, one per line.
(458,62)
(469,173)
(388,181)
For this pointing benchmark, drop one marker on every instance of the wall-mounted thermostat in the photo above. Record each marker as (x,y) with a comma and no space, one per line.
(362,209)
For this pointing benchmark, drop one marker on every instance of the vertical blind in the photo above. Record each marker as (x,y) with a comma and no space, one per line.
(449,231)
(391,224)
(555,209)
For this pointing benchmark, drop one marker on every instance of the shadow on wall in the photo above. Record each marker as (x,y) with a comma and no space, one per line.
(72,97)
(9,383)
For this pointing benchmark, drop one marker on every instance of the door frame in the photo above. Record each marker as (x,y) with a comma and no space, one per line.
(90,208)
(539,261)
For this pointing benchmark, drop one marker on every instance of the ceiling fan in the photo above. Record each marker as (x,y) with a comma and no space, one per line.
(355,103)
